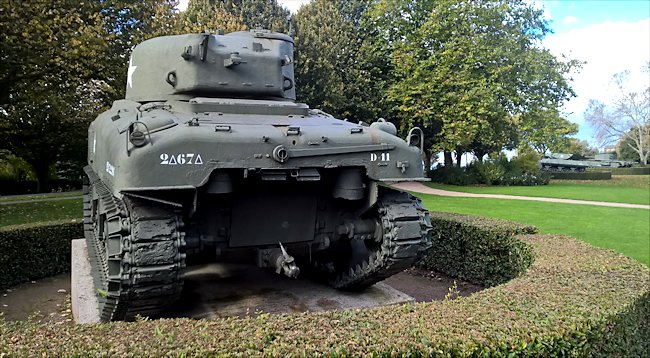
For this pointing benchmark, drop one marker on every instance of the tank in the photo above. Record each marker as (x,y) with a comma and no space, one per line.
(558,162)
(563,162)
(210,156)
(608,160)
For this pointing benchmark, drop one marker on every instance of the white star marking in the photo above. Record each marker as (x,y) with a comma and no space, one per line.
(129,80)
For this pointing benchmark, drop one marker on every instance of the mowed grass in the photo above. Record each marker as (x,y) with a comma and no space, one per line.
(626,231)
(631,189)
(39,196)
(26,213)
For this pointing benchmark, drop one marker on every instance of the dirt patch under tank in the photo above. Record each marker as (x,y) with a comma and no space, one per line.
(48,299)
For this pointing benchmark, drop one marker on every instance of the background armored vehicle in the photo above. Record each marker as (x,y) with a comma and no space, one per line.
(607,161)
(576,163)
(209,154)
(561,162)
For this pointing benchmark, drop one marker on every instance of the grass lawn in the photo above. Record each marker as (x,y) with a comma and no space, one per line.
(39,196)
(632,189)
(25,213)
(624,230)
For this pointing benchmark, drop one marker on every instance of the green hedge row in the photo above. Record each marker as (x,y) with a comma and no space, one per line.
(574,300)
(601,175)
(480,250)
(631,171)
(30,252)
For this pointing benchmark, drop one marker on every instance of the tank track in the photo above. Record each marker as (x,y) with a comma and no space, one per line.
(406,228)
(136,255)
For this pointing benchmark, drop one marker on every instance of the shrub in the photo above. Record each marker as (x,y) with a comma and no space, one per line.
(453,175)
(574,300)
(30,252)
(480,250)
(489,172)
(581,175)
(498,170)
(631,171)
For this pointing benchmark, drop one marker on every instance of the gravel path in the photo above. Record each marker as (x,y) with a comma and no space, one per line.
(421,188)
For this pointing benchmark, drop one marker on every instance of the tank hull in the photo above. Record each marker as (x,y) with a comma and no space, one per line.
(204,162)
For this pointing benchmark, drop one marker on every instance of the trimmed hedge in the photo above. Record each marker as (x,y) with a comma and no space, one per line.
(631,171)
(575,300)
(582,175)
(480,250)
(30,252)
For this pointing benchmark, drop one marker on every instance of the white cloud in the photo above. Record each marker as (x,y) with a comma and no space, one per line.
(607,48)
(569,20)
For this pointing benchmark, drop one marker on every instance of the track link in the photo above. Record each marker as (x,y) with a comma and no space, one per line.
(406,228)
(136,252)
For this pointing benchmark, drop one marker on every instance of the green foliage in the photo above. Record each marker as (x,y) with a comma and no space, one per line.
(473,71)
(63,62)
(599,175)
(338,68)
(575,300)
(521,170)
(546,130)
(30,252)
(479,250)
(579,148)
(631,171)
(266,14)
(453,175)
(202,15)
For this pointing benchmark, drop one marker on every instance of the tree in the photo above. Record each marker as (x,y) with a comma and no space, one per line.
(472,69)
(201,15)
(337,67)
(49,56)
(63,62)
(546,130)
(267,14)
(627,119)
(577,147)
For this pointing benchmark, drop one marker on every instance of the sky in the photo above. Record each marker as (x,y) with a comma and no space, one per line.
(609,36)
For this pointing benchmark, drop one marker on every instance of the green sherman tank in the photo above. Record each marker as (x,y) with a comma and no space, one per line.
(210,154)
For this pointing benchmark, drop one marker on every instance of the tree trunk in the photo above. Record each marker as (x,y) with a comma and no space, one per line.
(427,162)
(42,171)
(448,160)
(459,157)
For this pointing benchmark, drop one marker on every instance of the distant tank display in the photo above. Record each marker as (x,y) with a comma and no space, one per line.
(563,162)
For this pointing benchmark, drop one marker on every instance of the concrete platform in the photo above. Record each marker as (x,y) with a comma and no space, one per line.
(221,290)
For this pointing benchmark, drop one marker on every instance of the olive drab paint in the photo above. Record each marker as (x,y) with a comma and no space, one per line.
(210,153)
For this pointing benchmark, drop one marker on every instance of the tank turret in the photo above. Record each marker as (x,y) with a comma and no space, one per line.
(256,64)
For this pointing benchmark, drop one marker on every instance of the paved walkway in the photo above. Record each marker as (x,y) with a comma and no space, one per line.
(421,188)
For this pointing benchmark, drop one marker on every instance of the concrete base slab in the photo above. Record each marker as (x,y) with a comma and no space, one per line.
(222,290)
(82,289)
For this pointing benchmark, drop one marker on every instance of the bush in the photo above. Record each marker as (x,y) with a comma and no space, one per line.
(631,171)
(521,170)
(30,252)
(574,300)
(581,175)
(453,175)
(480,250)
